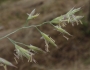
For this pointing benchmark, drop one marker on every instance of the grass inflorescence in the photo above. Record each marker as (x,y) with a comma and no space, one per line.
(60,22)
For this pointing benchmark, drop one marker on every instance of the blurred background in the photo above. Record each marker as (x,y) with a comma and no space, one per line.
(72,54)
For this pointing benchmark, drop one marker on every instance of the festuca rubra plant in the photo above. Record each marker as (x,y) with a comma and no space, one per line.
(58,23)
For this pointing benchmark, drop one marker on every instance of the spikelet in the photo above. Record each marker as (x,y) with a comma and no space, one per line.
(58,28)
(69,17)
(21,52)
(35,49)
(48,40)
(31,15)
(5,62)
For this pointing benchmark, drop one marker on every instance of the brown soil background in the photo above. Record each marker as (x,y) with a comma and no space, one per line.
(73,54)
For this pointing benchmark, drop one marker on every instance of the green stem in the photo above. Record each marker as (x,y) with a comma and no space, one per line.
(11,40)
(5,67)
(26,23)
(21,43)
(38,29)
(52,24)
(14,42)
(10,33)
(22,28)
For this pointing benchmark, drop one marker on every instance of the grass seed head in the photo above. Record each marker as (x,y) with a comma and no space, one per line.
(69,17)
(21,52)
(31,15)
(5,62)
(35,49)
(48,39)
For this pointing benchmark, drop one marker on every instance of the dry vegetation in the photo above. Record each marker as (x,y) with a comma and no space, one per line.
(70,53)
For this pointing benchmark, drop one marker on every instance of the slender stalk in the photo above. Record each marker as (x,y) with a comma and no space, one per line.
(11,40)
(5,67)
(10,33)
(26,23)
(38,29)
(21,43)
(17,42)
(22,28)
(52,24)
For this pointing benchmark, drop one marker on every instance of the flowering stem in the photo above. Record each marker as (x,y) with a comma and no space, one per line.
(38,29)
(51,24)
(21,43)
(11,40)
(5,67)
(22,28)
(10,33)
(26,23)
(17,42)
